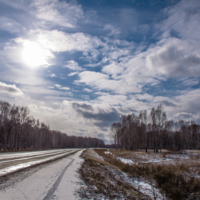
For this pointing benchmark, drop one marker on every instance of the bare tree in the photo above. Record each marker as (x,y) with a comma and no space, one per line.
(144,119)
(18,131)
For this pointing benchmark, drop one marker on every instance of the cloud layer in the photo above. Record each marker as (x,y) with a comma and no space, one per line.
(81,65)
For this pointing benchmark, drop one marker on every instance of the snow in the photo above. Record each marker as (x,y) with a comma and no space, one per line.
(147,189)
(108,152)
(178,156)
(169,157)
(92,154)
(144,186)
(157,160)
(69,183)
(126,161)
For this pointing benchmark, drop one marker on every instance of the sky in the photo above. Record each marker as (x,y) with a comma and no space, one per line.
(79,65)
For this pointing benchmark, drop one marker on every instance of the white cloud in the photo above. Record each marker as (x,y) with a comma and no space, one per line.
(112,99)
(144,96)
(190,82)
(73,65)
(183,19)
(183,115)
(174,58)
(61,88)
(87,90)
(10,89)
(178,52)
(65,88)
(111,29)
(117,53)
(112,69)
(59,41)
(102,82)
(52,75)
(55,12)
(50,87)
(58,86)
(72,74)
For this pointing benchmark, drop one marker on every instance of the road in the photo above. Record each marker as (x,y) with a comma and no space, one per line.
(12,162)
(53,180)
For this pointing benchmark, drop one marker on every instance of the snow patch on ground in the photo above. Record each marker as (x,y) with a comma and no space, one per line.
(126,161)
(147,189)
(144,186)
(108,152)
(169,157)
(129,161)
(178,156)
(157,160)
(92,154)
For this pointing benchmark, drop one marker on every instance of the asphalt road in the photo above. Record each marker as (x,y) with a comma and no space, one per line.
(53,180)
(12,162)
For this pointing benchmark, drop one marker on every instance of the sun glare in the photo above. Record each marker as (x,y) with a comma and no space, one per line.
(33,55)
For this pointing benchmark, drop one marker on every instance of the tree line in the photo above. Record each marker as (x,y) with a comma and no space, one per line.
(154,131)
(19,131)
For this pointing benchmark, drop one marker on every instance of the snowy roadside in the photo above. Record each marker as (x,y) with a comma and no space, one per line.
(143,185)
(104,181)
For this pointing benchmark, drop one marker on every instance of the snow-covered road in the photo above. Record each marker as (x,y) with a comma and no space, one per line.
(57,180)
(13,162)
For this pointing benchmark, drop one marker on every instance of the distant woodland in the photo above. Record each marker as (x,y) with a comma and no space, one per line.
(154,131)
(19,131)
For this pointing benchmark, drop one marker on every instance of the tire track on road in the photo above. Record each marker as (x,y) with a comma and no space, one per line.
(53,189)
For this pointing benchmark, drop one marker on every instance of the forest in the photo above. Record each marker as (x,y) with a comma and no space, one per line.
(154,131)
(19,131)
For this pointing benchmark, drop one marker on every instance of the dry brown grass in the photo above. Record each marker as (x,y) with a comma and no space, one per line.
(178,179)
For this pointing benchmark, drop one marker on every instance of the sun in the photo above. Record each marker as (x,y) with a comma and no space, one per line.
(33,54)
